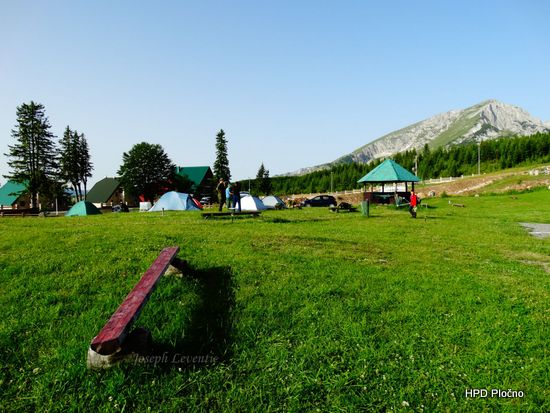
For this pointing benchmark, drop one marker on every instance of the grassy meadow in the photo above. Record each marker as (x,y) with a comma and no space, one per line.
(298,310)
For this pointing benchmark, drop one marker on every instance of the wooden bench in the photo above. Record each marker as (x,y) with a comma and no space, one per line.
(207,215)
(110,344)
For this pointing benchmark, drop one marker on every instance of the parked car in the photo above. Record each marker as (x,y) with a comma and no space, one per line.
(205,200)
(320,201)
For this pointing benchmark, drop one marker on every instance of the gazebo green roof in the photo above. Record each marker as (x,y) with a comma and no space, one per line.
(389,171)
(10,192)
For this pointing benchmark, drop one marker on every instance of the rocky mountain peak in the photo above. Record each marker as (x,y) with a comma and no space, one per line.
(490,119)
(504,117)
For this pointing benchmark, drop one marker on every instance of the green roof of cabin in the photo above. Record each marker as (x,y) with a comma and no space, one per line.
(10,192)
(195,173)
(389,171)
(103,190)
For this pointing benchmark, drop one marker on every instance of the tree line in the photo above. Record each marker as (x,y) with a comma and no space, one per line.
(39,163)
(427,163)
(46,168)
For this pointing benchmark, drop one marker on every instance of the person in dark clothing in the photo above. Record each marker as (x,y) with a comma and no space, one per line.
(237,196)
(220,189)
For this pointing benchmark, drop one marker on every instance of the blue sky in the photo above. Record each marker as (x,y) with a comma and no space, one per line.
(293,83)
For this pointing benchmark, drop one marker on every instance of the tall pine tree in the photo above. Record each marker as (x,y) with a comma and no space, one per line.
(75,164)
(33,158)
(262,183)
(258,180)
(68,161)
(221,165)
(85,165)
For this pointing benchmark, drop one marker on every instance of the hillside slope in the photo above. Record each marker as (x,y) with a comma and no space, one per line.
(487,120)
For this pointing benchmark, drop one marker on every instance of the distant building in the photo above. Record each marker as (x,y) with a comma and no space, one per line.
(201,176)
(106,193)
(14,195)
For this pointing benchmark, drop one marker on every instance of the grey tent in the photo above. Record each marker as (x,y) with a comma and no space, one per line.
(273,202)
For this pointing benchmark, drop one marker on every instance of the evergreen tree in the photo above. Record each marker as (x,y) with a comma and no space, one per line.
(33,158)
(146,171)
(265,187)
(75,164)
(85,165)
(221,165)
(68,160)
(258,184)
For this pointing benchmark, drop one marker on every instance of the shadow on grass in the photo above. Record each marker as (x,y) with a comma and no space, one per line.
(208,337)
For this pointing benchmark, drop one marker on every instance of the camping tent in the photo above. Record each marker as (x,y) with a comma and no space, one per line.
(82,208)
(273,202)
(175,201)
(252,203)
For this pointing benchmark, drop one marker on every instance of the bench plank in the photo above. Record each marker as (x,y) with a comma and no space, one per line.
(337,209)
(112,335)
(207,215)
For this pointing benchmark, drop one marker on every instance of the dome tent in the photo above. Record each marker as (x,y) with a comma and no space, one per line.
(273,202)
(175,201)
(82,208)
(252,203)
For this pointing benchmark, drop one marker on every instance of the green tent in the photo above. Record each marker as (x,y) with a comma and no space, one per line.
(82,208)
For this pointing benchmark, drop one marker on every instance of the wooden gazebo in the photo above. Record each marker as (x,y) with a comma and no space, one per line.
(387,173)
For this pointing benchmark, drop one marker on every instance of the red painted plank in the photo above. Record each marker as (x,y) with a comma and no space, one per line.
(113,333)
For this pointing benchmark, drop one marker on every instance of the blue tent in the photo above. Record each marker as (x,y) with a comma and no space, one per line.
(175,201)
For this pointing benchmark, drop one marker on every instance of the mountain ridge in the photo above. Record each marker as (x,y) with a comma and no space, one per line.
(490,119)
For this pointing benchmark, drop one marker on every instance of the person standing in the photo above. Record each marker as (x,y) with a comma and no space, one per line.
(237,196)
(228,195)
(220,189)
(412,204)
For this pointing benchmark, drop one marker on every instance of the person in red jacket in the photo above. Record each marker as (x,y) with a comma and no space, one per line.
(412,204)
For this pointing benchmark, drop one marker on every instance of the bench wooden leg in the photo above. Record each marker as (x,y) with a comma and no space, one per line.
(138,341)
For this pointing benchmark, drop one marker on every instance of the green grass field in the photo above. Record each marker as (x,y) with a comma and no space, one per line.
(301,310)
